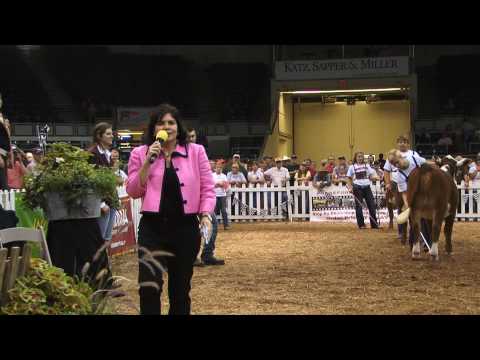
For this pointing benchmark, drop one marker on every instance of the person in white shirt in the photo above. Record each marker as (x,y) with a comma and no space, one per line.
(221,186)
(277,175)
(255,176)
(405,166)
(235,177)
(390,176)
(359,180)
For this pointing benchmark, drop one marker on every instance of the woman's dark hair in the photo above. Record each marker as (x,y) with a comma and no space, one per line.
(302,173)
(99,130)
(157,116)
(355,156)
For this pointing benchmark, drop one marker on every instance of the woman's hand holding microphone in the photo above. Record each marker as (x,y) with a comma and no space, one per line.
(153,152)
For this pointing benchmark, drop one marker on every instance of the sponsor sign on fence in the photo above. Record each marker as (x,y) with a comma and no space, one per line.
(123,231)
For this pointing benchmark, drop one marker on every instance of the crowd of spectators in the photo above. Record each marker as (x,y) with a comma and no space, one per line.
(451,139)
(278,171)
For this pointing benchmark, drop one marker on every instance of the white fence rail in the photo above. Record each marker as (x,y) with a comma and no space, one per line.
(269,203)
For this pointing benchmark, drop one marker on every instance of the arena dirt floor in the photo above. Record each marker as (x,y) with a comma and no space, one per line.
(316,268)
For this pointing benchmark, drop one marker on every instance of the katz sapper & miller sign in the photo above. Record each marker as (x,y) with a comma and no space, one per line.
(342,68)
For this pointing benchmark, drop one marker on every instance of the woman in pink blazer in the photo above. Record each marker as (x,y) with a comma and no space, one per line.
(175,183)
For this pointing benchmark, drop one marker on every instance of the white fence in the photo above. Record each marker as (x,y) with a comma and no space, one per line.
(269,203)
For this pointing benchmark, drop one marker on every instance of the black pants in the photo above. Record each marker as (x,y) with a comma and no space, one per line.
(72,243)
(364,192)
(181,237)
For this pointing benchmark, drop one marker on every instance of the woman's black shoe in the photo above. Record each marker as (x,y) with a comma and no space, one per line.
(213,261)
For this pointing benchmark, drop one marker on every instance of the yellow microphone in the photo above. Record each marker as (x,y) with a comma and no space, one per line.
(161,137)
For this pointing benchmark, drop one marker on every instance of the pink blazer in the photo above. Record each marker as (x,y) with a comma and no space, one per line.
(194,175)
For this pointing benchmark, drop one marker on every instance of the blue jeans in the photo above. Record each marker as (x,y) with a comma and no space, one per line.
(221,206)
(105,222)
(209,247)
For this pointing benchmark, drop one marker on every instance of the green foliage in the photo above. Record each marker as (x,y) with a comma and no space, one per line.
(67,171)
(33,219)
(47,290)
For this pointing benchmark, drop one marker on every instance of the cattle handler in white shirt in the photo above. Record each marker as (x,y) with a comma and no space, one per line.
(391,174)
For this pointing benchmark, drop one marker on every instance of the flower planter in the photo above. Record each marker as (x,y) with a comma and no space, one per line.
(57,210)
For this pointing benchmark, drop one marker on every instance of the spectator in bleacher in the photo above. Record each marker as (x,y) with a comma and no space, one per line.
(423,137)
(468,131)
(255,176)
(331,164)
(302,175)
(339,175)
(16,169)
(92,112)
(445,140)
(235,177)
(449,130)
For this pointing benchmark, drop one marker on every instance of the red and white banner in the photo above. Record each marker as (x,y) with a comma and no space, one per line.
(123,232)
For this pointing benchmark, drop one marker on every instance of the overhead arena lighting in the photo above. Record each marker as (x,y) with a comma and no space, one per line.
(307,92)
(329,99)
(371,98)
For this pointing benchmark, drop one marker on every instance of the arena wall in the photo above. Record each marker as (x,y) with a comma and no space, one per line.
(340,129)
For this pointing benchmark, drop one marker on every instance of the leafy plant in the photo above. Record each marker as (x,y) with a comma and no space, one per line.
(47,290)
(66,170)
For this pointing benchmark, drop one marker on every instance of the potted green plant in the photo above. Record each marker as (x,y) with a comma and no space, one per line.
(66,186)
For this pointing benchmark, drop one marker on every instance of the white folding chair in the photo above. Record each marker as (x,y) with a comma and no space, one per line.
(26,234)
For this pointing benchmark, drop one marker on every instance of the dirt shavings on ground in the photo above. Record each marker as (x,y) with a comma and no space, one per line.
(316,268)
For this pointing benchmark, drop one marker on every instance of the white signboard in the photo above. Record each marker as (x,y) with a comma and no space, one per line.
(342,68)
(335,203)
